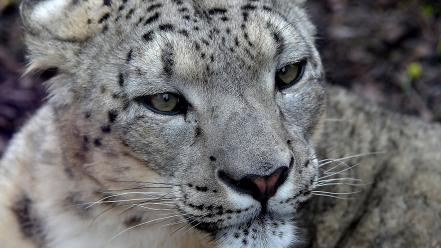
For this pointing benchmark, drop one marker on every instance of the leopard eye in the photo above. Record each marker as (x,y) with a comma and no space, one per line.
(164,103)
(290,74)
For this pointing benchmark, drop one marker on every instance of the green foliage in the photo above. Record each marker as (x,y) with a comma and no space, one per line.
(414,71)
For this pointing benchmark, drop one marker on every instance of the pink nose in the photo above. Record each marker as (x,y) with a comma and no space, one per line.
(260,188)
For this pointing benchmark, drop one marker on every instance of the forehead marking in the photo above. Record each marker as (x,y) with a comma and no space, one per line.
(152,18)
(166,27)
(148,36)
(154,7)
(168,61)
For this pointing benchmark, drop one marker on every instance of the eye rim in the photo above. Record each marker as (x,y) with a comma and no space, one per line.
(302,68)
(181,106)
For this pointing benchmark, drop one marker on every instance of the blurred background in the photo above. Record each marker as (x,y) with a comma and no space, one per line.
(388,51)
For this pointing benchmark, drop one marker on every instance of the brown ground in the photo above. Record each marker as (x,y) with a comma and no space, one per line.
(388,51)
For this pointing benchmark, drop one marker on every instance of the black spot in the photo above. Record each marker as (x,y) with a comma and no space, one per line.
(216,11)
(248,7)
(205,42)
(203,55)
(186,17)
(196,28)
(106,129)
(212,158)
(87,115)
(201,188)
(224,19)
(104,17)
(236,235)
(129,55)
(97,142)
(244,241)
(236,41)
(178,2)
(306,163)
(73,201)
(154,7)
(198,132)
(130,13)
(120,79)
(245,16)
(103,89)
(133,221)
(166,27)
(89,21)
(212,58)
(152,18)
(190,185)
(49,73)
(85,139)
(29,225)
(228,30)
(197,46)
(140,20)
(183,32)
(148,36)
(107,2)
(105,28)
(168,60)
(267,8)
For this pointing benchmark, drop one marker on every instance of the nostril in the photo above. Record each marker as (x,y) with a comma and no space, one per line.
(241,186)
(260,188)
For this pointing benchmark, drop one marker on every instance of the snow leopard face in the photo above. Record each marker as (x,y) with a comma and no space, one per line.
(220,100)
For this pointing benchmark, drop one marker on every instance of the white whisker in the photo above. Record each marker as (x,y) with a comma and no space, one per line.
(336,197)
(339,172)
(336,193)
(339,179)
(141,224)
(349,157)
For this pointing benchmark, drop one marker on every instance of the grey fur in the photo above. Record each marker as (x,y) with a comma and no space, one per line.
(221,56)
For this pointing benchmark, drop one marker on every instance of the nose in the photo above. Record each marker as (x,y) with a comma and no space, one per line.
(261,188)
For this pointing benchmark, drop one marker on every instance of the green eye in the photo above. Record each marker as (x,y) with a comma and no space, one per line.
(164,103)
(290,75)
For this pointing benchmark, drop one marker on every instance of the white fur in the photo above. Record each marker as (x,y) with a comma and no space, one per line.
(49,10)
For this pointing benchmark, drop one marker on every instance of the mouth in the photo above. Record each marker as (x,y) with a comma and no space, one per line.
(243,221)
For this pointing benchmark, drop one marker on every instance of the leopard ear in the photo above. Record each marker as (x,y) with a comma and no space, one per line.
(55,29)
(69,20)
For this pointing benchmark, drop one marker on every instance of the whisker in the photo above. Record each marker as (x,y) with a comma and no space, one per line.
(349,157)
(123,200)
(336,197)
(143,182)
(143,187)
(334,184)
(339,172)
(336,193)
(102,200)
(141,224)
(340,179)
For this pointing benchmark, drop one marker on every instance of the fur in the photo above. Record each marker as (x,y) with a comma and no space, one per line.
(81,165)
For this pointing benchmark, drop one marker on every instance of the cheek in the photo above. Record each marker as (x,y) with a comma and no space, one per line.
(160,143)
(302,108)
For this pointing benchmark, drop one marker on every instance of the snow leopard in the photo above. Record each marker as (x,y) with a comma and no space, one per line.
(169,123)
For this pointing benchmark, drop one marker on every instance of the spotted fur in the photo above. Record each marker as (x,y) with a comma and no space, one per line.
(69,175)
